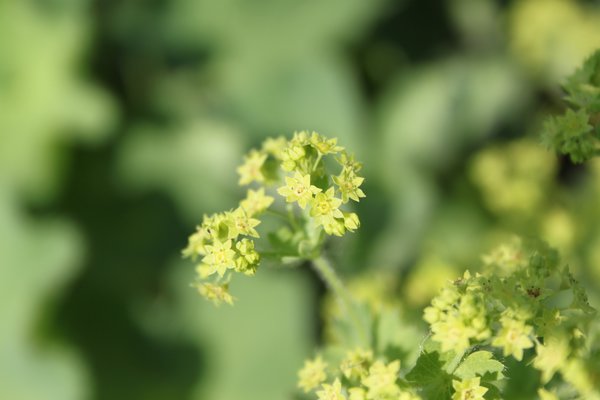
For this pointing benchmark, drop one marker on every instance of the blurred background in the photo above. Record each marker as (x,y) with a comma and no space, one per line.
(122,122)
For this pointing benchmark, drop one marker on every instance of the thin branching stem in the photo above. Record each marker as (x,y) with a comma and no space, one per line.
(331,279)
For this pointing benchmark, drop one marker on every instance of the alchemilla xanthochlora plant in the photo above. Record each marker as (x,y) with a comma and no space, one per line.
(522,309)
(313,179)
(576,133)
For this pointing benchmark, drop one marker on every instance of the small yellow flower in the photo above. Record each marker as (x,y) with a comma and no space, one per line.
(241,224)
(256,202)
(298,188)
(381,381)
(312,374)
(293,155)
(251,170)
(324,145)
(452,334)
(349,184)
(332,392)
(325,210)
(351,221)
(348,162)
(218,294)
(356,364)
(220,257)
(469,389)
(275,146)
(357,393)
(513,337)
(197,243)
(248,259)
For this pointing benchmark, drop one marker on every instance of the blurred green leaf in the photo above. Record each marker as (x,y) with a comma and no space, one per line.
(44,101)
(194,163)
(398,338)
(435,111)
(254,348)
(37,259)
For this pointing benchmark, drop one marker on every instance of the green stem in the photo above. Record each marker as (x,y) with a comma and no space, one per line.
(327,273)
(316,164)
(291,215)
(276,214)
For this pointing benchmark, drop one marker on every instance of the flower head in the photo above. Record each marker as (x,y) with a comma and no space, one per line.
(381,381)
(220,257)
(349,184)
(451,333)
(275,146)
(469,389)
(312,374)
(332,392)
(197,243)
(357,393)
(513,337)
(293,155)
(348,162)
(240,223)
(251,170)
(248,258)
(351,221)
(325,209)
(299,189)
(256,202)
(324,145)
(356,364)
(218,294)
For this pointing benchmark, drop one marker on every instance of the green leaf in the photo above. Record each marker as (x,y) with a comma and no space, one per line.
(34,363)
(480,363)
(396,338)
(342,327)
(41,59)
(194,162)
(253,349)
(587,74)
(431,377)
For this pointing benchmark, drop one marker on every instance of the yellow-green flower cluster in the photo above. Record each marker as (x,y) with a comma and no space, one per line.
(512,306)
(300,163)
(514,178)
(224,243)
(458,316)
(298,170)
(312,374)
(304,160)
(359,377)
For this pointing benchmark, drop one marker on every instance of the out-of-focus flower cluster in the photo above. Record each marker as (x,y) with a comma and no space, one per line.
(518,303)
(358,377)
(576,133)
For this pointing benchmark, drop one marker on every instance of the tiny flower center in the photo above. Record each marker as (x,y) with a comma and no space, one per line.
(220,257)
(324,207)
(298,190)
(241,224)
(512,335)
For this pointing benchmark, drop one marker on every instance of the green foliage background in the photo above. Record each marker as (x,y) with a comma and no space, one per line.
(122,122)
